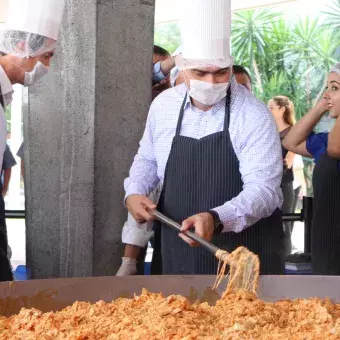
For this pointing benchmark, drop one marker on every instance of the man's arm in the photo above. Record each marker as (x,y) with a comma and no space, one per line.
(333,148)
(162,69)
(260,156)
(295,139)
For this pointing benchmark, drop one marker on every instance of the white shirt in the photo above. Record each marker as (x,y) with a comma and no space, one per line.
(139,234)
(297,165)
(7,91)
(254,137)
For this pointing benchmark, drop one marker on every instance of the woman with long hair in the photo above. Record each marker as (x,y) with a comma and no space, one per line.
(325,149)
(284,114)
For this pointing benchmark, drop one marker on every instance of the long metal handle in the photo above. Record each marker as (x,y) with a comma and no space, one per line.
(160,217)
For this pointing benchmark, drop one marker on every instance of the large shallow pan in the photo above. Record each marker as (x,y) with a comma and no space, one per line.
(55,294)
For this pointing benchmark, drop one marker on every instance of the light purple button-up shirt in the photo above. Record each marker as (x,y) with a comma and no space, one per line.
(254,137)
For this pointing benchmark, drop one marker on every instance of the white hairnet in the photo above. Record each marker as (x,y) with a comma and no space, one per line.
(174,74)
(186,63)
(25,44)
(335,68)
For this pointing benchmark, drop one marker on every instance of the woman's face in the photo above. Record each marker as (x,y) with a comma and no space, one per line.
(332,94)
(276,110)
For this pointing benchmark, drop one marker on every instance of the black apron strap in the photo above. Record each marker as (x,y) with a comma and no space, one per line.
(5,268)
(2,99)
(226,118)
(326,217)
(227,110)
(181,114)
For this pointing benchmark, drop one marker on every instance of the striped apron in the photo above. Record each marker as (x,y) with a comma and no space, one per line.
(326,217)
(202,174)
(5,268)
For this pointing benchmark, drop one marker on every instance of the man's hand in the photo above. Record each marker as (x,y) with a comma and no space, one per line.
(138,206)
(204,227)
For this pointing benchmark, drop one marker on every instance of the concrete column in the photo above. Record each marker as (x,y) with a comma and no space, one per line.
(82,127)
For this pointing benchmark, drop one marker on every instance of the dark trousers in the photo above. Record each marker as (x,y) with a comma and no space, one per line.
(156,264)
(5,268)
(141,261)
(296,200)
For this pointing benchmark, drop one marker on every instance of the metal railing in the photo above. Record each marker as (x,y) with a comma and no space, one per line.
(305,216)
(15,214)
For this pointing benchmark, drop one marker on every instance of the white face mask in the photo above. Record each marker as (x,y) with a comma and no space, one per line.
(36,74)
(207,93)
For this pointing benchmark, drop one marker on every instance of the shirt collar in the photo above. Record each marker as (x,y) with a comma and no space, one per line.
(6,85)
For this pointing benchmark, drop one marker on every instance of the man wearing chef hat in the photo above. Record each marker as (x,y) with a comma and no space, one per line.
(216,150)
(27,43)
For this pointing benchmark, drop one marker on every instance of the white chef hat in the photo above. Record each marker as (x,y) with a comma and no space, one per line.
(335,68)
(32,27)
(205,33)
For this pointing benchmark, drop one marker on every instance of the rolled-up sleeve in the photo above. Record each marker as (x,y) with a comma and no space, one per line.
(259,152)
(143,177)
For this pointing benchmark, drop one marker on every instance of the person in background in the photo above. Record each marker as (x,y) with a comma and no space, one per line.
(299,184)
(283,112)
(242,77)
(159,54)
(308,169)
(7,165)
(324,148)
(163,63)
(27,44)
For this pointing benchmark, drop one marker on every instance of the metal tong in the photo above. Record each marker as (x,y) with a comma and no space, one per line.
(209,246)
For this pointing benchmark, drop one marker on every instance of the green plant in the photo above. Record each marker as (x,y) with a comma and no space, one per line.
(167,35)
(249,30)
(333,16)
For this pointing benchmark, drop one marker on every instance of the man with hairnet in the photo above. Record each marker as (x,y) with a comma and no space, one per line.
(215,149)
(27,44)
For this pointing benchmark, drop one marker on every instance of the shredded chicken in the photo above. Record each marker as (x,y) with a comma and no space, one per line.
(244,270)
(238,315)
